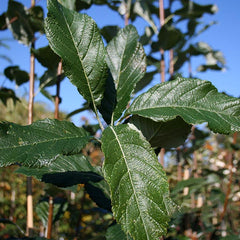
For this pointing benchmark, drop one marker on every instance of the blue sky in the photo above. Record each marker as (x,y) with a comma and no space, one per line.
(224,36)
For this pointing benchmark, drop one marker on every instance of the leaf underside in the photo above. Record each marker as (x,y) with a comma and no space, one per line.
(194,100)
(65,171)
(138,184)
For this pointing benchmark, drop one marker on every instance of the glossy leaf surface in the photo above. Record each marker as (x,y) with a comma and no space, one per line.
(40,143)
(127,63)
(194,100)
(138,184)
(76,39)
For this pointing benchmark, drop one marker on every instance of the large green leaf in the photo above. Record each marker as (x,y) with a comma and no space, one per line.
(40,143)
(65,171)
(138,184)
(127,62)
(162,134)
(194,100)
(76,39)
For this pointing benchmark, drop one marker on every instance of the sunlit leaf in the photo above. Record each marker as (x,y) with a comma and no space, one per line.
(138,184)
(115,232)
(40,143)
(194,100)
(127,62)
(76,39)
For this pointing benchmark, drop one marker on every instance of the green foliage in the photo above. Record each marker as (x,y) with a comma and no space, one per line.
(59,138)
(194,100)
(137,181)
(76,39)
(130,187)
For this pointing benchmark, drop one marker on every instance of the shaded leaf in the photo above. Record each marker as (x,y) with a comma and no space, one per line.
(42,209)
(46,57)
(139,188)
(162,134)
(141,8)
(194,100)
(169,37)
(99,192)
(76,39)
(36,19)
(40,143)
(65,171)
(109,100)
(6,93)
(17,19)
(3,24)
(147,36)
(14,73)
(115,232)
(109,32)
(194,10)
(147,78)
(127,62)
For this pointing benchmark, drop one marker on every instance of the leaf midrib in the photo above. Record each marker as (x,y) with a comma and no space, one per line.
(192,108)
(68,27)
(135,194)
(42,142)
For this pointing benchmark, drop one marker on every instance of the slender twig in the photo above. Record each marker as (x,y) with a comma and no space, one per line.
(50,218)
(162,64)
(29,231)
(162,21)
(57,97)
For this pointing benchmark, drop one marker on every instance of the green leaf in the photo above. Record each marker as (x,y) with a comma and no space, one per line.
(76,39)
(194,100)
(65,171)
(109,32)
(6,93)
(46,57)
(115,232)
(194,10)
(169,36)
(141,8)
(109,100)
(99,192)
(138,184)
(127,62)
(42,209)
(162,134)
(17,19)
(40,143)
(3,24)
(36,19)
(14,73)
(148,77)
